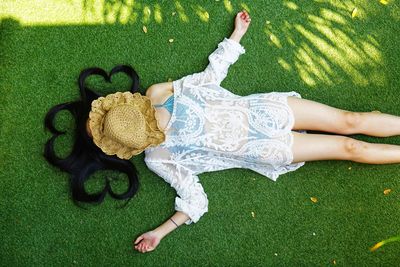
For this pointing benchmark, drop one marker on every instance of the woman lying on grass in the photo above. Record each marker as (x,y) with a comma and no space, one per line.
(193,125)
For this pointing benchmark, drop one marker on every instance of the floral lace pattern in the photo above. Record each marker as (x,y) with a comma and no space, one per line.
(213,129)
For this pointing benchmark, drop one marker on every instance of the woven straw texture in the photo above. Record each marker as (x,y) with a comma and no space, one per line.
(124,124)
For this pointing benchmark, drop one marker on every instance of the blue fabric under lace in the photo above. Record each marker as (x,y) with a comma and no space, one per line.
(168,104)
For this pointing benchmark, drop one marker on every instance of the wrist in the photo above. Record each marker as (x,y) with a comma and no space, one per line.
(236,36)
(159,232)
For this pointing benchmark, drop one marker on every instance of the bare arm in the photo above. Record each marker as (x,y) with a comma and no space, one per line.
(242,22)
(149,241)
(179,218)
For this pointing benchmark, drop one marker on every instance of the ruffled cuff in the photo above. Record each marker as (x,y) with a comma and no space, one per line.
(228,50)
(235,45)
(193,212)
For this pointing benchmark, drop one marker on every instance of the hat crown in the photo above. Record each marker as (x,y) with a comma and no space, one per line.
(126,125)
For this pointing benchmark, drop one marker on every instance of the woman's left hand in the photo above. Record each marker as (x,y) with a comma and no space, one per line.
(242,22)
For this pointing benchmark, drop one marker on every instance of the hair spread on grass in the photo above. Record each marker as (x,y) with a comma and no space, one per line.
(86,158)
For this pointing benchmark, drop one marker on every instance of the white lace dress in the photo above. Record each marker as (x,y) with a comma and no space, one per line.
(213,129)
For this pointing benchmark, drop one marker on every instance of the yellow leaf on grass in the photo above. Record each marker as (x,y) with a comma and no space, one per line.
(376,246)
(384,2)
(144,29)
(387,191)
(314,199)
(171,40)
(383,242)
(354,13)
(253,214)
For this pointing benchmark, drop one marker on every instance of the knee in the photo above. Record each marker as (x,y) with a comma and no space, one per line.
(354,149)
(351,122)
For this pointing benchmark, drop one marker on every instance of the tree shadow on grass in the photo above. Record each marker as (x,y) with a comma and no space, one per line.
(330,42)
(131,11)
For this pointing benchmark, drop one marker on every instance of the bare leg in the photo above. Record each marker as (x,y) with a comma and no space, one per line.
(311,115)
(309,147)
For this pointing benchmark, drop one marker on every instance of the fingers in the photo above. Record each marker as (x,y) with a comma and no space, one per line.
(244,16)
(244,13)
(138,239)
(140,247)
(143,247)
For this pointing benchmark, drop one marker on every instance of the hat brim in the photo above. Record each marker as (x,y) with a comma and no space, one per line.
(100,107)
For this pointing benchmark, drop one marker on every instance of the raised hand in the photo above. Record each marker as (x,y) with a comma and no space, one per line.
(147,242)
(242,22)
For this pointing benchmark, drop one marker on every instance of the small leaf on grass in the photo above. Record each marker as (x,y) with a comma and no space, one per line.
(253,214)
(171,40)
(349,168)
(314,199)
(383,242)
(387,191)
(384,2)
(354,12)
(376,246)
(144,29)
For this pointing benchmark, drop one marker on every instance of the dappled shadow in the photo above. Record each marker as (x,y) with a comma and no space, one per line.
(131,11)
(325,43)
(54,12)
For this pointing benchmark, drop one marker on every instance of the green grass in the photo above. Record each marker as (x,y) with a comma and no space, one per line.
(313,47)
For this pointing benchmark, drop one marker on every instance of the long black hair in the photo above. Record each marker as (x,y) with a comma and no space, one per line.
(86,158)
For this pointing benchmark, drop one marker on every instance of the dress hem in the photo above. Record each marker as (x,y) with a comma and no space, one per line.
(289,166)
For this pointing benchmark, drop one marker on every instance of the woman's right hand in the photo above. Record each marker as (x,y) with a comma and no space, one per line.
(147,241)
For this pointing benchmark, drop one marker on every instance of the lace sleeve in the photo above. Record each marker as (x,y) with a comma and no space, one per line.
(227,53)
(192,199)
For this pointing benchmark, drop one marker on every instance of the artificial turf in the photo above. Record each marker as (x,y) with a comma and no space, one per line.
(327,51)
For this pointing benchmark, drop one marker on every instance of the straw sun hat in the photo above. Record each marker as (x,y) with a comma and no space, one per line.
(124,124)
